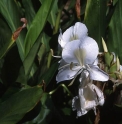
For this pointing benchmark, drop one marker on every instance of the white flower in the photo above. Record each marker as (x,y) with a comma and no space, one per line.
(89,96)
(78,31)
(79,56)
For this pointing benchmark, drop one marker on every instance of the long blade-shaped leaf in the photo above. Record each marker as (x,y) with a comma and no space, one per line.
(47,76)
(29,11)
(28,62)
(114,42)
(14,108)
(12,15)
(95,19)
(37,25)
(11,40)
(52,16)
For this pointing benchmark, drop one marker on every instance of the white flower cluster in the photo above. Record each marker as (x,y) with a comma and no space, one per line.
(79,57)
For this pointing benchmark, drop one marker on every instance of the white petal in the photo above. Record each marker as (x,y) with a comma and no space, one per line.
(88,44)
(84,79)
(68,51)
(97,74)
(100,95)
(78,31)
(95,62)
(76,106)
(62,63)
(60,40)
(66,74)
(92,50)
(81,98)
(89,96)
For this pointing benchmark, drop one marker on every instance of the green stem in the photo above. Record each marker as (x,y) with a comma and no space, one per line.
(64,86)
(57,20)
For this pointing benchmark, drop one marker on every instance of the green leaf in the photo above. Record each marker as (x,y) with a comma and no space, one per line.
(37,25)
(95,15)
(109,57)
(47,108)
(22,78)
(47,76)
(52,16)
(29,11)
(114,2)
(41,53)
(28,62)
(114,31)
(108,92)
(10,11)
(113,75)
(45,40)
(10,41)
(113,68)
(66,111)
(15,107)
(5,36)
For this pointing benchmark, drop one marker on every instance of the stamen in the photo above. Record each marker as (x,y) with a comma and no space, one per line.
(54,55)
(64,66)
(72,65)
(88,68)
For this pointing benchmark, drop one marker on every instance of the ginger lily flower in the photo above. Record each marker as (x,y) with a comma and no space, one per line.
(80,56)
(78,31)
(89,96)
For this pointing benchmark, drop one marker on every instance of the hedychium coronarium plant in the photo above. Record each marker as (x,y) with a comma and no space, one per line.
(79,59)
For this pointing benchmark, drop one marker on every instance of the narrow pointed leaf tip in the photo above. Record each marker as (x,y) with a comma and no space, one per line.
(104,45)
(17,32)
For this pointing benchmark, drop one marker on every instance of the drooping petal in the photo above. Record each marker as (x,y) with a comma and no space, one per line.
(66,73)
(100,95)
(84,79)
(89,97)
(76,106)
(88,45)
(96,73)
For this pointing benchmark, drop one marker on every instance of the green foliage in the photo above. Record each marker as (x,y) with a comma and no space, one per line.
(114,31)
(29,93)
(11,13)
(109,57)
(95,18)
(37,25)
(18,105)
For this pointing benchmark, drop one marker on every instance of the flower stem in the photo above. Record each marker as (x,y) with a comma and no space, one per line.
(61,85)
